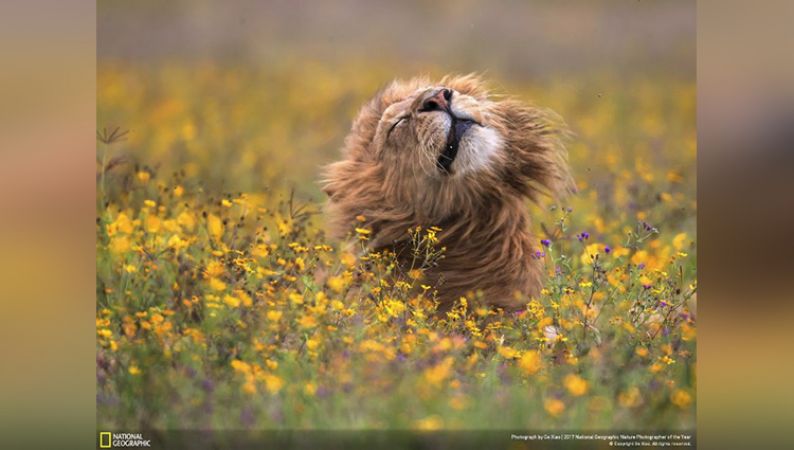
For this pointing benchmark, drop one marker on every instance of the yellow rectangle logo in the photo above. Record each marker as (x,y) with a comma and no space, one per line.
(104,439)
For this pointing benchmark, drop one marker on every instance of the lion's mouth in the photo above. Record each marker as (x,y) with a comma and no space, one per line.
(457,129)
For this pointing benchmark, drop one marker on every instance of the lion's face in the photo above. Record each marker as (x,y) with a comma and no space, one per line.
(438,132)
(437,148)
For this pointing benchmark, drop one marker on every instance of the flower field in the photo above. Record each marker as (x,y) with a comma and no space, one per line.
(221,304)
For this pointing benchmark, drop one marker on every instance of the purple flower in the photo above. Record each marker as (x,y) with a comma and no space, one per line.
(323,392)
(646,286)
(247,417)
(641,266)
(582,236)
(539,254)
(607,249)
(545,242)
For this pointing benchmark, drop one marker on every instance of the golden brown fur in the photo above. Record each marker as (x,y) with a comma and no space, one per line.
(390,174)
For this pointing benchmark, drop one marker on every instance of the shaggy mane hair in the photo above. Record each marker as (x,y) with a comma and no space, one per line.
(388,175)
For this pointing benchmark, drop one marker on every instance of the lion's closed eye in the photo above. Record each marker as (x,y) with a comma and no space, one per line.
(400,120)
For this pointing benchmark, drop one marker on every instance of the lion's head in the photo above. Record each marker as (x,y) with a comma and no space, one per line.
(451,155)
(437,147)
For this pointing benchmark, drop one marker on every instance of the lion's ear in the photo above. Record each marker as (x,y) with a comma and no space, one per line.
(535,140)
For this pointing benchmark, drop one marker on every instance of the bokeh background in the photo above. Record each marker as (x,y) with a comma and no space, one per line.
(287,77)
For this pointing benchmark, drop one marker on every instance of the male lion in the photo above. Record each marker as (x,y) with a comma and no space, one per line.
(446,154)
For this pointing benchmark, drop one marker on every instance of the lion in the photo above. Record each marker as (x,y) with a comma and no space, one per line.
(452,155)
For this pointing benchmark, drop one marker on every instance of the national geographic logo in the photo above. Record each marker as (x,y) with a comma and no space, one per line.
(120,440)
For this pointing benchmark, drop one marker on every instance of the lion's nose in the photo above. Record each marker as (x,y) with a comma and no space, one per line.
(438,101)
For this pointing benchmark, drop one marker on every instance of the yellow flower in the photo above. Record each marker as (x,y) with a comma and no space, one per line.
(530,362)
(274,316)
(440,372)
(176,242)
(129,268)
(589,254)
(687,332)
(134,370)
(171,226)
(620,251)
(307,322)
(143,176)
(104,332)
(273,383)
(348,259)
(630,398)
(260,250)
(119,244)
(122,223)
(457,403)
(217,285)
(363,233)
(429,423)
(507,352)
(296,298)
(249,387)
(244,297)
(575,384)
(310,389)
(214,269)
(284,227)
(215,226)
(681,398)
(674,177)
(231,301)
(337,284)
(392,307)
(178,191)
(300,264)
(152,224)
(639,257)
(679,240)
(312,344)
(187,220)
(241,366)
(553,406)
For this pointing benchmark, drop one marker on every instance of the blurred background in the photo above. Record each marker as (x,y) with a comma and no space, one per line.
(244,95)
(514,38)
